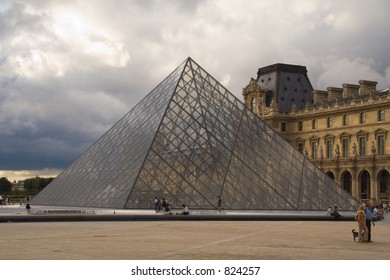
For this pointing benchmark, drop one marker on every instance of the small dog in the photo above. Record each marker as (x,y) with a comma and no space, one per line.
(354,234)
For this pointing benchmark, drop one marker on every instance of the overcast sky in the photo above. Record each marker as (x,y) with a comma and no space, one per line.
(71,69)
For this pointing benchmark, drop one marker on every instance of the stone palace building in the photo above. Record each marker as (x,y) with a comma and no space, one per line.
(343,130)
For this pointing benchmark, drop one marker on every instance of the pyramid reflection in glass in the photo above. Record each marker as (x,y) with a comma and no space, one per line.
(190,141)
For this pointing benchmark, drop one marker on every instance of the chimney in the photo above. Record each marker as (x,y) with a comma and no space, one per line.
(367,87)
(334,93)
(349,90)
(319,96)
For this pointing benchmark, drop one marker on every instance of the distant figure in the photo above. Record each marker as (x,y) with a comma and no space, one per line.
(329,211)
(157,205)
(165,205)
(28,207)
(185,210)
(336,213)
(219,204)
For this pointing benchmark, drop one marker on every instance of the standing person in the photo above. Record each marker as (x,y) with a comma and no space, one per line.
(219,204)
(157,204)
(369,220)
(361,219)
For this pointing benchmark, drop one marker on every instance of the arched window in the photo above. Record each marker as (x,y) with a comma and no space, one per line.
(365,185)
(330,175)
(346,180)
(384,178)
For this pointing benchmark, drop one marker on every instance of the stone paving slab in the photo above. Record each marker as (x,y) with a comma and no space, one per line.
(195,239)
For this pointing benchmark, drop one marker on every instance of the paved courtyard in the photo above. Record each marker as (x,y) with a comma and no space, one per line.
(166,240)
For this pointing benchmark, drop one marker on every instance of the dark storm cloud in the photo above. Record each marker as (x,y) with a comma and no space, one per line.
(70,69)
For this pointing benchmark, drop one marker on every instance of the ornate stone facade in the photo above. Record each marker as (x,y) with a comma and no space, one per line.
(342,130)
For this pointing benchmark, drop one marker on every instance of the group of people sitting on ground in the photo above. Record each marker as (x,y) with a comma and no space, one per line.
(166,207)
(377,212)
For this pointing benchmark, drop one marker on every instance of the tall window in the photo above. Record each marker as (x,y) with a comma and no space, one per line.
(300,147)
(300,126)
(345,120)
(329,122)
(345,143)
(329,148)
(362,117)
(362,146)
(384,181)
(283,127)
(314,149)
(365,185)
(381,144)
(347,181)
(381,116)
(314,124)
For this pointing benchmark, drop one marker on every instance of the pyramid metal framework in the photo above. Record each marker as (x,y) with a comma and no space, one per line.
(190,141)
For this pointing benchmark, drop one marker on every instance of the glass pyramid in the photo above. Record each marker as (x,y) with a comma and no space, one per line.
(190,141)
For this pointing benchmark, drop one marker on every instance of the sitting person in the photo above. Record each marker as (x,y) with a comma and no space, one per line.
(329,211)
(376,215)
(336,213)
(166,206)
(185,210)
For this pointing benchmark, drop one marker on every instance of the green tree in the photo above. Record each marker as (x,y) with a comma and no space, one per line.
(5,185)
(35,185)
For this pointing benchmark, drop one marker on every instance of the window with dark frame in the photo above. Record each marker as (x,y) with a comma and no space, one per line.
(329,148)
(381,144)
(314,124)
(314,149)
(283,127)
(300,126)
(381,116)
(345,120)
(362,146)
(345,147)
(362,118)
(329,122)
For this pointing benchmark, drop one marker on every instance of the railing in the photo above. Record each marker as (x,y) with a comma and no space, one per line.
(63,212)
